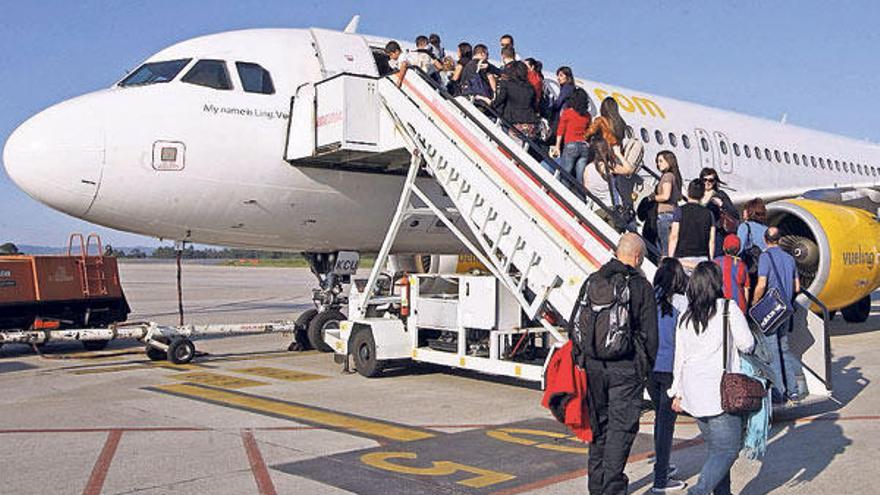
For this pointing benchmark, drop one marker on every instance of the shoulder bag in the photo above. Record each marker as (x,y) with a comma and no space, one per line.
(772,310)
(740,393)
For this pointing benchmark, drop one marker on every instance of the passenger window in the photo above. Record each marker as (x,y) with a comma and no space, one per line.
(723,146)
(254,78)
(860,167)
(747,151)
(787,157)
(704,144)
(768,155)
(797,161)
(804,159)
(873,171)
(836,164)
(155,72)
(209,73)
(658,136)
(645,136)
(845,167)
(628,132)
(757,153)
(686,141)
(735,149)
(673,140)
(813,161)
(777,155)
(822,163)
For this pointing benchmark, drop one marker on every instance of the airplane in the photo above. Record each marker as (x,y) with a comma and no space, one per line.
(199,144)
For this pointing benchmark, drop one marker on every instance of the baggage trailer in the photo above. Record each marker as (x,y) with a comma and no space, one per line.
(67,291)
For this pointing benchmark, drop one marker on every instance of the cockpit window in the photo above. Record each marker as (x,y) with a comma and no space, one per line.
(155,72)
(254,78)
(210,73)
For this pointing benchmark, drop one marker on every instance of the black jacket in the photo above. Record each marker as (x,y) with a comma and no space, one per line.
(643,311)
(515,101)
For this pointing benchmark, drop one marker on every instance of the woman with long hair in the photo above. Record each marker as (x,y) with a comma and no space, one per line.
(670,283)
(698,368)
(465,54)
(611,127)
(719,204)
(595,177)
(515,98)
(572,125)
(667,196)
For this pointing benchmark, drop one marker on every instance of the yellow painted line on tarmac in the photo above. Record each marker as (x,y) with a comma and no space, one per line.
(175,367)
(110,369)
(296,412)
(279,374)
(217,380)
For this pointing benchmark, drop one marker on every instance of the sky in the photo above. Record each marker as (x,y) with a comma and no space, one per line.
(815,61)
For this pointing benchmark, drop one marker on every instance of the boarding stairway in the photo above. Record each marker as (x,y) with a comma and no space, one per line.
(539,233)
(534,234)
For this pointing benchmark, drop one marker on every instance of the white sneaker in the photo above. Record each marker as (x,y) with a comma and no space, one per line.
(671,486)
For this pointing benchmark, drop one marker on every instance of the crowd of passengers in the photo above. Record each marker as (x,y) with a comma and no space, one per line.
(713,265)
(588,150)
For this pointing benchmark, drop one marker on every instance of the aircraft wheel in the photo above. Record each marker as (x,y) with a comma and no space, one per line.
(95,345)
(328,319)
(363,347)
(156,354)
(858,312)
(301,331)
(181,351)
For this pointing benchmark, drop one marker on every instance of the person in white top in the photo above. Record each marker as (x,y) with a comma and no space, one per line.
(697,371)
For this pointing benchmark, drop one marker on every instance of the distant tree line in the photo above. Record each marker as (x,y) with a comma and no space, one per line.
(191,253)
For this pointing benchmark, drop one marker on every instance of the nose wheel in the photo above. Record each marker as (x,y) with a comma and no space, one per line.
(301,334)
(323,321)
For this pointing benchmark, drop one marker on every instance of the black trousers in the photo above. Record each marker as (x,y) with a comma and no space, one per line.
(614,399)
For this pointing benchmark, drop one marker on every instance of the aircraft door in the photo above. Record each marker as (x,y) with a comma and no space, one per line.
(704,144)
(724,153)
(343,53)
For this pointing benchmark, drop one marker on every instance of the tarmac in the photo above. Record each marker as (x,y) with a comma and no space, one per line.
(251,417)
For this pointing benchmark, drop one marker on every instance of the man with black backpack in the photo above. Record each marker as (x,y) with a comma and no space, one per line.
(614,329)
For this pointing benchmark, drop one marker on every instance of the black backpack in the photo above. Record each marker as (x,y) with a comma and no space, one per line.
(600,324)
(751,254)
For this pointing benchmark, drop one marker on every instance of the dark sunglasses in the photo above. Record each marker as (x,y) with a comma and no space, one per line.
(709,179)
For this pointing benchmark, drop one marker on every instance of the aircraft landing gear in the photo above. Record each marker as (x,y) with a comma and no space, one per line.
(859,311)
(333,270)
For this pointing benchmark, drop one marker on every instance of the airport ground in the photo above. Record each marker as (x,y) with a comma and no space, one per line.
(250,417)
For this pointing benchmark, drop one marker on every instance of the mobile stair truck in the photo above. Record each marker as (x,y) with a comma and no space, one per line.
(538,239)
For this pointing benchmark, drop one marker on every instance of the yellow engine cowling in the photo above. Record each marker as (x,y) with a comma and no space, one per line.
(846,240)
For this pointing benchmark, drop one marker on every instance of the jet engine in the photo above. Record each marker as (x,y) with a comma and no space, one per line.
(837,249)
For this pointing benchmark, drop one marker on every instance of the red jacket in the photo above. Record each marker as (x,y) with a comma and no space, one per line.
(565,394)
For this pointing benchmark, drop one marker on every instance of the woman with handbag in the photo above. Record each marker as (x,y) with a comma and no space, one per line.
(701,366)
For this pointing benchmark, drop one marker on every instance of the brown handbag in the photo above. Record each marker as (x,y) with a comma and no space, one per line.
(740,394)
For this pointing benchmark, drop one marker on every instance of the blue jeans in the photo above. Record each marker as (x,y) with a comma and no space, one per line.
(574,158)
(664,425)
(784,364)
(724,439)
(664,225)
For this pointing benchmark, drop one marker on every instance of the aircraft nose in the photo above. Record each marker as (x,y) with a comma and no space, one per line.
(57,156)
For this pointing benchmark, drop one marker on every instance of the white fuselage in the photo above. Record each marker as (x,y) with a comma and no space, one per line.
(94,157)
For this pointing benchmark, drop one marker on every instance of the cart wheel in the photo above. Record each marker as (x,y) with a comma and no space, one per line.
(364,349)
(324,320)
(156,354)
(181,351)
(301,331)
(95,345)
